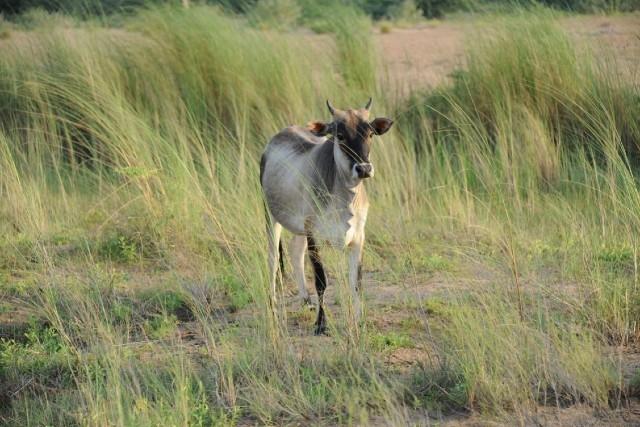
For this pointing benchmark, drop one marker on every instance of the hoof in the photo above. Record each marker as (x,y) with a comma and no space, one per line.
(306,303)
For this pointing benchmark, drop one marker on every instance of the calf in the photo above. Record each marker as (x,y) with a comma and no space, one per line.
(312,179)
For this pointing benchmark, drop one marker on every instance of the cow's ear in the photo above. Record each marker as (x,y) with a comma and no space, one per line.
(318,128)
(381,125)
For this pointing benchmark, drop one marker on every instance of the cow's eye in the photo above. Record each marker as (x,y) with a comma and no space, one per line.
(340,136)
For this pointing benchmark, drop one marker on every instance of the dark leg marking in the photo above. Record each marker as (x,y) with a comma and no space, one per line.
(281,273)
(321,283)
(359,281)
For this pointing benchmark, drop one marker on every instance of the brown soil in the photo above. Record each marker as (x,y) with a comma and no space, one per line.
(425,57)
(422,57)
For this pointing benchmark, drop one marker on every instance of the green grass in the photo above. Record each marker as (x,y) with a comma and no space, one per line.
(504,217)
(390,341)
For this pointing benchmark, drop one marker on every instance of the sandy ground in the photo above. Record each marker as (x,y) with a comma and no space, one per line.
(425,56)
(422,57)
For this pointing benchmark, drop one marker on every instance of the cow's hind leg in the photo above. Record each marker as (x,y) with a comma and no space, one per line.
(321,284)
(274,230)
(297,249)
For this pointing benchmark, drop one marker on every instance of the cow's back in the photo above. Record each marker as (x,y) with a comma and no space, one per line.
(296,173)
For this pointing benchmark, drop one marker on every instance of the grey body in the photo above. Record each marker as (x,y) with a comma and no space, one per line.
(313,186)
(308,190)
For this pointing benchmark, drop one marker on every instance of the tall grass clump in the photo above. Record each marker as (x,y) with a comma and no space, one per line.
(526,71)
(531,154)
(503,363)
(354,49)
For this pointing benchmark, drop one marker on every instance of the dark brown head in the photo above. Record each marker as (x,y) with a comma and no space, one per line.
(353,132)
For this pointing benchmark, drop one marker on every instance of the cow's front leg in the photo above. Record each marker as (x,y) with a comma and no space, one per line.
(355,274)
(321,283)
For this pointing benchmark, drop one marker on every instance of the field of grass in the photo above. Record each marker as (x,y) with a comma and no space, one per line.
(501,268)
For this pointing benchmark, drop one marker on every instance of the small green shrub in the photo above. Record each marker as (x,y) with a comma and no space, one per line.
(617,258)
(390,341)
(130,243)
(236,291)
(434,306)
(120,248)
(423,262)
(122,311)
(161,326)
(19,287)
(170,302)
(43,356)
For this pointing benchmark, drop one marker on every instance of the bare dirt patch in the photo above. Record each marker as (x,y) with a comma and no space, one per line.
(425,57)
(422,57)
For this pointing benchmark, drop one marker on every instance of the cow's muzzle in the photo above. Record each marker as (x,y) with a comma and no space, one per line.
(363,170)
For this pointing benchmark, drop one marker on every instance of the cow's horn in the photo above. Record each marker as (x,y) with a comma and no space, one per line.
(366,107)
(331,109)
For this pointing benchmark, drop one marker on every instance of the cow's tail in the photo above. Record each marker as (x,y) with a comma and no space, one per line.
(269,220)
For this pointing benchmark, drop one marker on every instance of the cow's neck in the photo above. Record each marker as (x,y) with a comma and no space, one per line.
(346,195)
(344,192)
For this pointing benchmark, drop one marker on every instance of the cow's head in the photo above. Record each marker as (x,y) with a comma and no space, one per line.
(352,132)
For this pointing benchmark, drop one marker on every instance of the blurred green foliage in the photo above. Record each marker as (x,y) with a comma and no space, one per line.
(376,9)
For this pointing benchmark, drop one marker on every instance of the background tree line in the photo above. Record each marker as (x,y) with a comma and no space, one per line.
(376,9)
